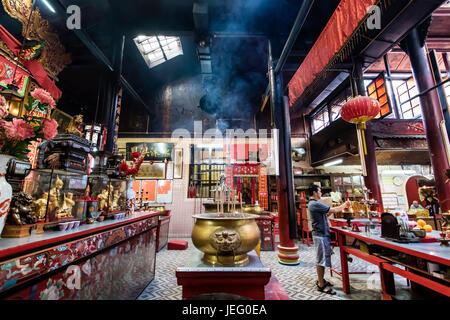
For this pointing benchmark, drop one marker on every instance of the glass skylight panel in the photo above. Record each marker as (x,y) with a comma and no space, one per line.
(158,49)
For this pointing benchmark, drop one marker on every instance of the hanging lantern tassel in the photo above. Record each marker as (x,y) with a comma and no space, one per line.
(359,111)
(362,149)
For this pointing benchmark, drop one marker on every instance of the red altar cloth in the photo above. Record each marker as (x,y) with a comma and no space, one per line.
(343,22)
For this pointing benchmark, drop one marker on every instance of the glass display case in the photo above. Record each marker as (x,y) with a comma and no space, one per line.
(56,195)
(110,194)
(351,185)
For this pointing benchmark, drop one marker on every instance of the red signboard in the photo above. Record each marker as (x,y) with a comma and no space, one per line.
(263,195)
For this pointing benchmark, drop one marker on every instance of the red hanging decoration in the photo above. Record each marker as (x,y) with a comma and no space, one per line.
(360,110)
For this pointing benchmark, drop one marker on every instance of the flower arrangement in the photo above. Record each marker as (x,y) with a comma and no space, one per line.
(137,160)
(18,133)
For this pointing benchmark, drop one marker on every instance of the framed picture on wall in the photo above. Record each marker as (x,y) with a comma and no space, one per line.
(169,170)
(151,151)
(152,171)
(178,164)
(63,119)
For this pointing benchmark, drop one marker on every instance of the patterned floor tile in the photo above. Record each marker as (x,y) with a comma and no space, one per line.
(297,281)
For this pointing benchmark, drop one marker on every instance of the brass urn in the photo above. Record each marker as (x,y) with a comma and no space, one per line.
(253,209)
(225,238)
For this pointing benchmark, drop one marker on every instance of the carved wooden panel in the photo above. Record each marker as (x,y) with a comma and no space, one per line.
(54,57)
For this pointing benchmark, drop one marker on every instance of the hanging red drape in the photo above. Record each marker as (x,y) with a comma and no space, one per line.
(339,28)
(33,66)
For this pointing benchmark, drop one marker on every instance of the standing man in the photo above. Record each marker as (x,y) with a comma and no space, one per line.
(318,214)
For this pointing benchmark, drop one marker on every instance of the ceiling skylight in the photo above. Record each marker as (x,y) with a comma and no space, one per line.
(158,49)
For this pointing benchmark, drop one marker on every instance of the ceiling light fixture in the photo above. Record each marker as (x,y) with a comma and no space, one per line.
(49,6)
(333,163)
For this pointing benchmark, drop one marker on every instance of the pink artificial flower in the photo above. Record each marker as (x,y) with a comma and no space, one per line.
(3,111)
(49,128)
(17,129)
(2,101)
(44,97)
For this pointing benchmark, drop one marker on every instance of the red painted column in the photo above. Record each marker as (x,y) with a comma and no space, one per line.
(431,114)
(371,181)
(287,249)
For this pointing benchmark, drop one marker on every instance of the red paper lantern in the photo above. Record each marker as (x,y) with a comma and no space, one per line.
(360,110)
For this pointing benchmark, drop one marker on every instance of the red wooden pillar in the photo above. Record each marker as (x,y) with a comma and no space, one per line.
(414,45)
(372,181)
(287,249)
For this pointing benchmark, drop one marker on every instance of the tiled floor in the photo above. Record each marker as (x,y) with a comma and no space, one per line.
(297,281)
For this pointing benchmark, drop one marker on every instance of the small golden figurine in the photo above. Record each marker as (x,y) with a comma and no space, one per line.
(40,206)
(110,191)
(66,210)
(115,202)
(55,195)
(76,126)
(102,199)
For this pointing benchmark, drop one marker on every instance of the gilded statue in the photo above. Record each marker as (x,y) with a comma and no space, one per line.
(55,196)
(115,200)
(76,126)
(102,199)
(40,206)
(66,210)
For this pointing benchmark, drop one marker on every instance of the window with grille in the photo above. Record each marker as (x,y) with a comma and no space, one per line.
(158,49)
(320,120)
(206,168)
(410,109)
(377,90)
(337,103)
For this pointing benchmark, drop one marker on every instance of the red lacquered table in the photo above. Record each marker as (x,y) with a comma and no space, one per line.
(248,281)
(430,252)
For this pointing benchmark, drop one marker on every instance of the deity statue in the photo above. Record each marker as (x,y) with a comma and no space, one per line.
(110,191)
(40,206)
(66,210)
(115,200)
(76,126)
(55,196)
(102,200)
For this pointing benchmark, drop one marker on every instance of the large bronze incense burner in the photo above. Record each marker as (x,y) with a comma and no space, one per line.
(225,238)
(226,235)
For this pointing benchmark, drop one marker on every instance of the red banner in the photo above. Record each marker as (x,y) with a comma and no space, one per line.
(263,195)
(344,21)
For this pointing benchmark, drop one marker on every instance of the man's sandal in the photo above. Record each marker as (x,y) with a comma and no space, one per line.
(328,283)
(327,291)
